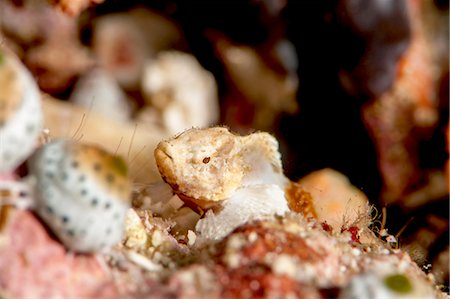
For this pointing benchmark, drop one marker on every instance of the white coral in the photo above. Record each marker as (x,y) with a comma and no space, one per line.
(99,91)
(182,91)
(246,204)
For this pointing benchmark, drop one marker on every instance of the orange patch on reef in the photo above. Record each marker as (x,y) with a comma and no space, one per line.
(299,200)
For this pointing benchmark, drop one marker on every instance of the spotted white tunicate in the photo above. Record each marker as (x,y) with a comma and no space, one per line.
(83,194)
(20,112)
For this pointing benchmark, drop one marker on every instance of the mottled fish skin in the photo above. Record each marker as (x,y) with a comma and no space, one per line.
(20,112)
(209,165)
(83,194)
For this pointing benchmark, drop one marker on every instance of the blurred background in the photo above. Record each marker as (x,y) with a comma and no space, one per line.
(360,86)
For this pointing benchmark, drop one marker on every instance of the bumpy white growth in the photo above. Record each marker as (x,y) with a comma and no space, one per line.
(99,91)
(83,210)
(246,204)
(184,93)
(20,112)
